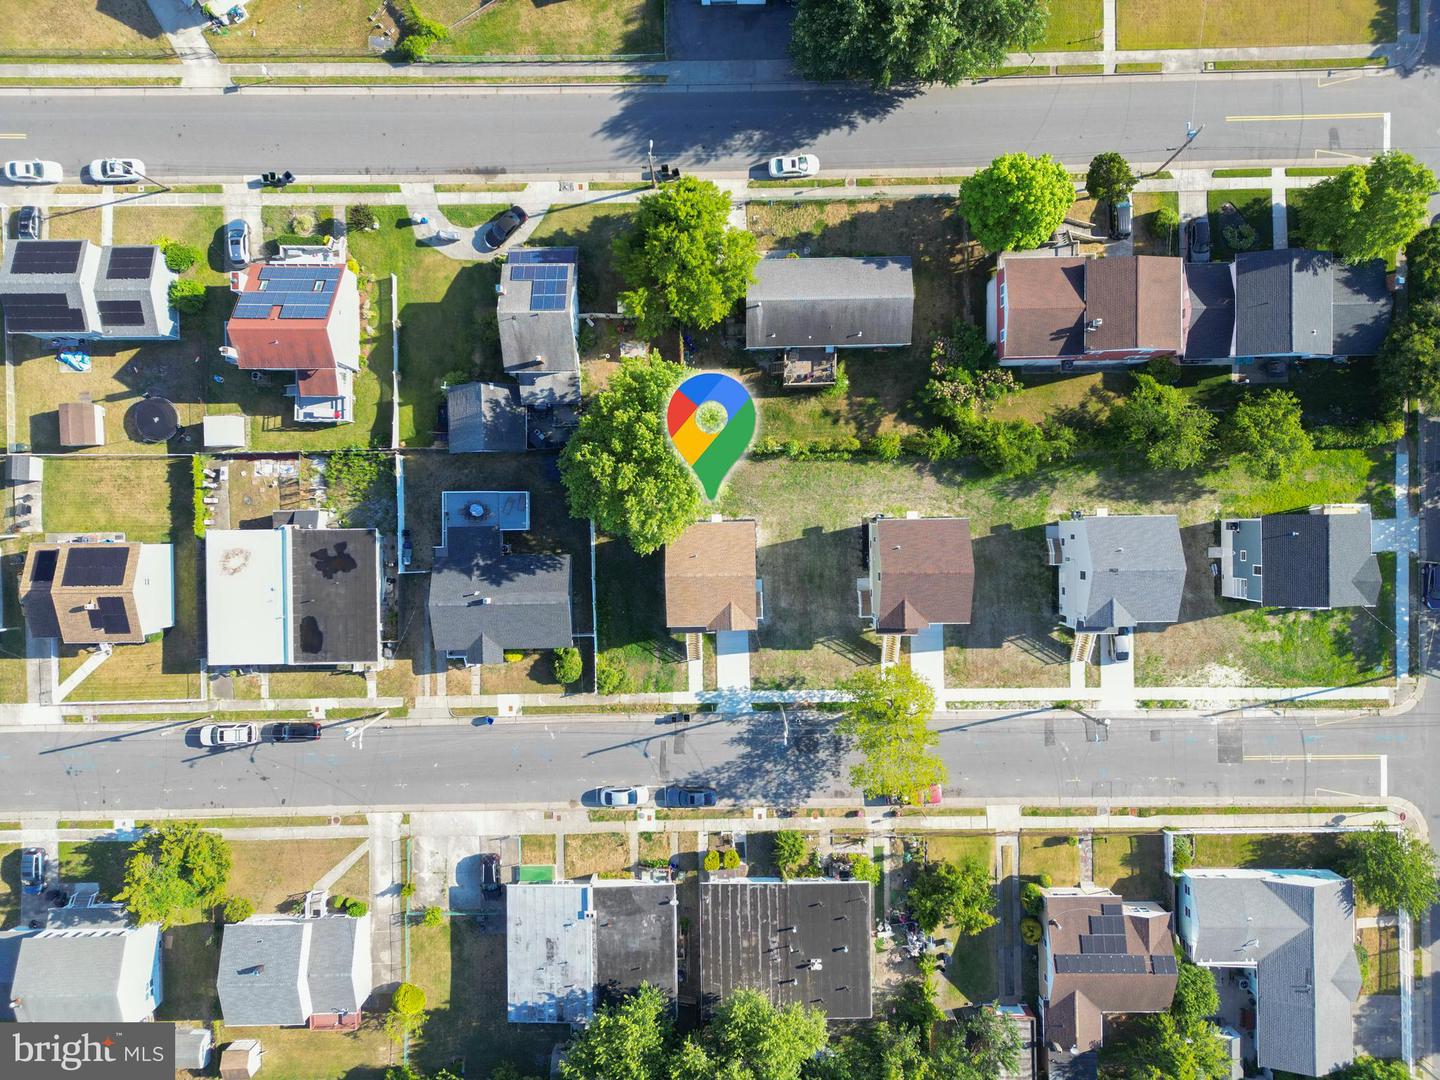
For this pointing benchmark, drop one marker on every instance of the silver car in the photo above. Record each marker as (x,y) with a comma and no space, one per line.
(33,172)
(624,796)
(229,735)
(237,244)
(112,170)
(794,166)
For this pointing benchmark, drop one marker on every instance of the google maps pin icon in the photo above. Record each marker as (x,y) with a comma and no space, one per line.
(711,420)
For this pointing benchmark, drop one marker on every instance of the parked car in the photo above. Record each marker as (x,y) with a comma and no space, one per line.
(301,731)
(237,244)
(1121,219)
(27,223)
(624,796)
(1198,234)
(113,170)
(1430,577)
(229,735)
(32,869)
(1120,644)
(794,166)
(34,172)
(503,226)
(689,795)
(676,718)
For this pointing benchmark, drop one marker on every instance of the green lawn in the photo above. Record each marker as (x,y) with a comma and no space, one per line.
(82,28)
(596,853)
(577,27)
(100,861)
(469,215)
(1268,851)
(1130,864)
(956,847)
(1149,238)
(1254,206)
(1050,854)
(1075,26)
(1181,24)
(631,600)
(537,849)
(9,885)
(299,28)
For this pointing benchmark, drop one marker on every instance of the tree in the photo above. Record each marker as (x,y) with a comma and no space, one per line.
(747,1038)
(914,1006)
(888,719)
(568,666)
(1110,178)
(953,894)
(987,1041)
(877,1052)
(1160,1047)
(1017,201)
(1266,431)
(683,262)
(788,848)
(1165,425)
(626,1041)
(187,296)
(1391,869)
(407,1013)
(1408,363)
(237,909)
(1369,211)
(1422,264)
(619,468)
(1196,998)
(174,867)
(911,41)
(1369,1068)
(357,909)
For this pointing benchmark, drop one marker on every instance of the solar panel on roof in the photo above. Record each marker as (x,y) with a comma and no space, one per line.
(1107,924)
(130,262)
(46,256)
(121,313)
(41,312)
(95,565)
(304,311)
(1162,964)
(1101,964)
(1102,943)
(1112,909)
(109,615)
(44,568)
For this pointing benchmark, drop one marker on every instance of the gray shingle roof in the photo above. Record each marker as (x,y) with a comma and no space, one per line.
(88,286)
(545,390)
(1284,303)
(1212,311)
(1121,571)
(278,971)
(339,970)
(87,974)
(485,417)
(483,601)
(845,303)
(537,340)
(1318,561)
(1297,927)
(1362,309)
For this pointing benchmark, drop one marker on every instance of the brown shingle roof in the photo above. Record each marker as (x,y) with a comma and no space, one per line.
(922,572)
(83,594)
(1045,304)
(82,423)
(710,578)
(1082,989)
(1137,299)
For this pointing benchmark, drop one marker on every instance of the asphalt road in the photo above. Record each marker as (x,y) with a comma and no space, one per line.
(1290,115)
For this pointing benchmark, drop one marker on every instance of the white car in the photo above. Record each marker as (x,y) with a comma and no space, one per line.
(33,172)
(794,166)
(229,735)
(624,796)
(114,170)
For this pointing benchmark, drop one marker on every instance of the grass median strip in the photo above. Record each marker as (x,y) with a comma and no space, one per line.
(1220,174)
(829,181)
(1080,69)
(1146,67)
(1288,65)
(95,83)
(1315,170)
(909,181)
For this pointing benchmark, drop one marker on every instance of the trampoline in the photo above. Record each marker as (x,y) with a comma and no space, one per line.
(155,420)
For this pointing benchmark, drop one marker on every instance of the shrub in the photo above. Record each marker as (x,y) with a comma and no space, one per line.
(187,296)
(513,657)
(418,32)
(1031,931)
(357,909)
(864,868)
(408,998)
(1163,370)
(712,861)
(1164,224)
(359,218)
(842,383)
(237,909)
(179,257)
(568,666)
(731,859)
(1183,854)
(407,890)
(302,224)
(433,917)
(610,677)
(1240,237)
(407,1013)
(1045,881)
(1032,898)
(884,447)
(1365,435)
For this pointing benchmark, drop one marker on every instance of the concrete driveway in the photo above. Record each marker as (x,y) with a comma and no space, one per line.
(727,32)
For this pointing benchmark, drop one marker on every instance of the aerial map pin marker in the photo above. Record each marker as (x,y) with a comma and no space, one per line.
(711,421)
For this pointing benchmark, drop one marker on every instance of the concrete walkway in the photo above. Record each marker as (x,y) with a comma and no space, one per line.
(83,672)
(927,656)
(732,661)
(185,27)
(387,908)
(342,868)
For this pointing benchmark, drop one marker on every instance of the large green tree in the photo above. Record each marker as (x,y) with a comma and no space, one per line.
(1165,425)
(1110,177)
(1265,430)
(1408,363)
(894,42)
(1369,211)
(888,720)
(1161,1047)
(986,1040)
(1196,998)
(174,868)
(619,467)
(630,1040)
(684,264)
(1369,1068)
(1422,264)
(1391,868)
(1017,201)
(953,894)
(747,1038)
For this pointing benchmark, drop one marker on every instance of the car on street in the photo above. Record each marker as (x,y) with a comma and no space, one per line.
(27,223)
(113,170)
(32,869)
(793,166)
(229,734)
(237,244)
(300,731)
(1197,232)
(686,796)
(34,172)
(676,718)
(624,796)
(1430,578)
(503,226)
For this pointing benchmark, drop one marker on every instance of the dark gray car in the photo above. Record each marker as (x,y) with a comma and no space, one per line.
(1198,236)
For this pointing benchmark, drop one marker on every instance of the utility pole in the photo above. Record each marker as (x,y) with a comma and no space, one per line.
(358,733)
(650,155)
(1191,134)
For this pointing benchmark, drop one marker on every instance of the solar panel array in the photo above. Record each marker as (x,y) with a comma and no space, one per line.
(1107,924)
(44,569)
(109,615)
(43,313)
(549,284)
(47,256)
(300,292)
(1101,964)
(1161,964)
(1112,909)
(121,313)
(130,262)
(1102,943)
(97,565)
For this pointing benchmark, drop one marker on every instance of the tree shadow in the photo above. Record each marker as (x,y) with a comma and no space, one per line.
(762,767)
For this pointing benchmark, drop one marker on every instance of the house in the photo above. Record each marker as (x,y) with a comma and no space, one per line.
(571,946)
(1300,303)
(810,308)
(82,423)
(801,941)
(485,418)
(293,970)
(1318,559)
(1117,573)
(1100,954)
(921,574)
(292,595)
(300,312)
(89,593)
(83,290)
(1210,333)
(539,315)
(1293,933)
(99,970)
(711,581)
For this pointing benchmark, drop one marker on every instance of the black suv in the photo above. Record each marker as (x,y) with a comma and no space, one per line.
(27,223)
(299,732)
